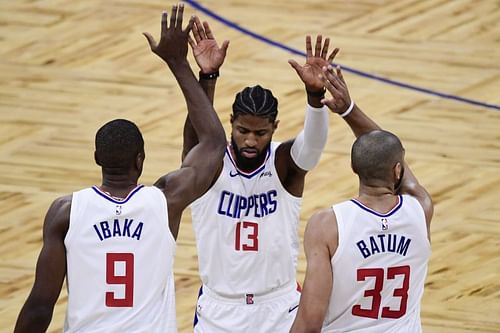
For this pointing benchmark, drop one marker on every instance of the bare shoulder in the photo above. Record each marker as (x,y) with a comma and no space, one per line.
(322,229)
(57,218)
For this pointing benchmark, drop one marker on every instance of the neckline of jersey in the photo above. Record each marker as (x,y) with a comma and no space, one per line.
(389,213)
(248,174)
(116,200)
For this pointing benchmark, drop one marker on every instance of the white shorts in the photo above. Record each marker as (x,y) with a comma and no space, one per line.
(270,313)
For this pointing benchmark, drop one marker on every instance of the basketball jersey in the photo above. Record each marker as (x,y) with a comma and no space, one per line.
(120,255)
(379,268)
(246,230)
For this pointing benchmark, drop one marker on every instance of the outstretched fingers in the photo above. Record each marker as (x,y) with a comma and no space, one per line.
(308,47)
(317,48)
(324,51)
(208,31)
(333,55)
(180,16)
(173,16)
(164,17)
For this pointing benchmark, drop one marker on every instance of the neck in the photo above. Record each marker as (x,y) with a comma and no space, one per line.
(379,198)
(118,185)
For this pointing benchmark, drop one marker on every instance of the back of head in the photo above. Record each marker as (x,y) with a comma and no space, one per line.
(117,144)
(374,156)
(256,101)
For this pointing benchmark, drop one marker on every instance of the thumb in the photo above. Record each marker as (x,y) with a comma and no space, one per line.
(295,66)
(151,40)
(224,46)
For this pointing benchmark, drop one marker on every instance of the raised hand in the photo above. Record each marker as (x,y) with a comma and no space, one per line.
(206,51)
(310,71)
(172,47)
(334,82)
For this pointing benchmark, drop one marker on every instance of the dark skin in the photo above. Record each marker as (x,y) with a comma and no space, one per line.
(180,187)
(210,58)
(321,234)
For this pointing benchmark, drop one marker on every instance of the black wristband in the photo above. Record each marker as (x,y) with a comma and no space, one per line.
(320,93)
(209,76)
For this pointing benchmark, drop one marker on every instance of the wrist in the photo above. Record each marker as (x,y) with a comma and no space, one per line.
(208,75)
(348,111)
(318,93)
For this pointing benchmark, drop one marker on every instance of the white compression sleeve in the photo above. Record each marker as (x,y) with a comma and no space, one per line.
(309,144)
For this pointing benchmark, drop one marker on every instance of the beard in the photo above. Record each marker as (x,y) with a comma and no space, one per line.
(245,163)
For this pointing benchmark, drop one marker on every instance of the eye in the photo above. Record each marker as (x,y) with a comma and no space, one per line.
(261,133)
(242,130)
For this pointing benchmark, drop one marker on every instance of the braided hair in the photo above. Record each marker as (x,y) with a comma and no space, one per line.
(256,101)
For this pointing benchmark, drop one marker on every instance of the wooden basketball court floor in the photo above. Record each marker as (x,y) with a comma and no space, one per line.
(69,66)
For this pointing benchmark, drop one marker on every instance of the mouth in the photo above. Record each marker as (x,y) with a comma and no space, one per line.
(249,153)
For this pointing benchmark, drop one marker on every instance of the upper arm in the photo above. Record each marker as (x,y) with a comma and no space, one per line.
(291,176)
(199,169)
(320,242)
(410,185)
(50,267)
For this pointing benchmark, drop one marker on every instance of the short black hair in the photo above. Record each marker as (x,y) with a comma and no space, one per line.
(375,154)
(256,101)
(117,144)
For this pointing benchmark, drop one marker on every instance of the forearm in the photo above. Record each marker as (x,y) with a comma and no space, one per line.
(309,144)
(190,139)
(189,134)
(33,319)
(359,122)
(202,117)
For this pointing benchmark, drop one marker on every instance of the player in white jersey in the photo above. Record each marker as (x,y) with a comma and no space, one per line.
(367,257)
(115,242)
(246,224)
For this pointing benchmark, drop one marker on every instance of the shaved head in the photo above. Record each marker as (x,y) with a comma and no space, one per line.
(374,156)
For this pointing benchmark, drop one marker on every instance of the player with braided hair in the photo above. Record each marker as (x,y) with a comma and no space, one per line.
(246,223)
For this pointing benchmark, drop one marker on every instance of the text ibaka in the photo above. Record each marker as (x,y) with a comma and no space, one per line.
(118,228)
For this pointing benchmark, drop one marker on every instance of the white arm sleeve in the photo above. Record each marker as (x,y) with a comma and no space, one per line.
(309,144)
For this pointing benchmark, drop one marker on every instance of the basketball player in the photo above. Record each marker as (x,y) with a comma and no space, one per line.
(115,242)
(367,257)
(246,224)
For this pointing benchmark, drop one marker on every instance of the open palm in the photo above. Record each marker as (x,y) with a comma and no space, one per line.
(310,72)
(207,53)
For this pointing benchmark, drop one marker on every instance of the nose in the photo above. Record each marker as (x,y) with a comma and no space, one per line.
(250,140)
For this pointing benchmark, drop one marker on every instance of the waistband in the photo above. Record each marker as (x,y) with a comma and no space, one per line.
(251,298)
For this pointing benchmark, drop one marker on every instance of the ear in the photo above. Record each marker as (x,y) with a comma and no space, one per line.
(139,160)
(275,125)
(398,172)
(96,159)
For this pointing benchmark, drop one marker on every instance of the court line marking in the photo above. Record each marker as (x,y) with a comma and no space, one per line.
(354,71)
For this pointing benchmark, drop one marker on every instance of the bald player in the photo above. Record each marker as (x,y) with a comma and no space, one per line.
(367,257)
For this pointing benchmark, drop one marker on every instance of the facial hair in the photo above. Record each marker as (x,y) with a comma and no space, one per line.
(245,163)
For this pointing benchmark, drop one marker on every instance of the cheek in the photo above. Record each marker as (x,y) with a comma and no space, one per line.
(264,141)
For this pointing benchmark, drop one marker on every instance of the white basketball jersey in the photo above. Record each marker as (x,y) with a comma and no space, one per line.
(379,268)
(246,230)
(120,255)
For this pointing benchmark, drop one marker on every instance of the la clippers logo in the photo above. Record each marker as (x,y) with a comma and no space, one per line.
(249,298)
